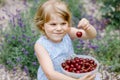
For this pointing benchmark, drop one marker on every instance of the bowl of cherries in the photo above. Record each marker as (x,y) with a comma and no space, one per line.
(79,66)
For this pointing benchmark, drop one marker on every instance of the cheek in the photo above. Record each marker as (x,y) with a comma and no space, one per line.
(67,29)
(47,29)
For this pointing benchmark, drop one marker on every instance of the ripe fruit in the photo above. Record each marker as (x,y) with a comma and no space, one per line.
(79,65)
(79,34)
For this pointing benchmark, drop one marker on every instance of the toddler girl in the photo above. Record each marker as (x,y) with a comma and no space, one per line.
(55,44)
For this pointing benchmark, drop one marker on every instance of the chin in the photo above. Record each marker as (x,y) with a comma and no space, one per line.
(58,40)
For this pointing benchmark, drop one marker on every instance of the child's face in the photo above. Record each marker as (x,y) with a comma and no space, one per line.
(56,28)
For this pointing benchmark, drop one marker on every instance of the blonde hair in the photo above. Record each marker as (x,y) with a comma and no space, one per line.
(44,12)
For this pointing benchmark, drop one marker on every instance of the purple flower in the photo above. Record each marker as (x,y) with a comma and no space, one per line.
(19,20)
(26,70)
(20,23)
(26,52)
(28,39)
(6,36)
(18,59)
(93,47)
(81,42)
(93,1)
(25,2)
(23,49)
(12,21)
(34,63)
(18,11)
(1,66)
(33,31)
(78,46)
(19,40)
(24,36)
(14,69)
(13,37)
(2,18)
(34,54)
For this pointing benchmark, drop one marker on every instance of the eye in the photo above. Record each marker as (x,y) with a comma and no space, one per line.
(53,24)
(63,23)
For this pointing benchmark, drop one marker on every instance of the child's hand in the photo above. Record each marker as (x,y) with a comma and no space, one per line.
(88,77)
(84,24)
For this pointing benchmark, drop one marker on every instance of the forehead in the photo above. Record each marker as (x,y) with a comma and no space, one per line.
(56,18)
(58,8)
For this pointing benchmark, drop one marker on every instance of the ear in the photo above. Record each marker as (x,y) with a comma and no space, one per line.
(43,28)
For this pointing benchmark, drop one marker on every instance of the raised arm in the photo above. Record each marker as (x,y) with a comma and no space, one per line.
(84,31)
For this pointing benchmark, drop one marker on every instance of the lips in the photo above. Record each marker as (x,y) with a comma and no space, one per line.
(58,33)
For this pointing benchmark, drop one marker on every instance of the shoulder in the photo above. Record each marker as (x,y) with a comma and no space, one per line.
(38,44)
(41,38)
(42,44)
(40,50)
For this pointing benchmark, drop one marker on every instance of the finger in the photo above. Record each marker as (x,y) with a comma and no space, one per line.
(86,76)
(80,24)
(84,22)
(92,77)
(87,27)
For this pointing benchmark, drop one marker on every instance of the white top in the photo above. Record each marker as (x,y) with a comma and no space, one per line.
(57,52)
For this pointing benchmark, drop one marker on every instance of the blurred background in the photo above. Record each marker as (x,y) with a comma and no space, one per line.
(18,35)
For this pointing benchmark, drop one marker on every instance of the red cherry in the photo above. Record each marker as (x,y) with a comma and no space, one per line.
(63,65)
(76,64)
(73,61)
(87,65)
(77,71)
(67,61)
(91,61)
(95,65)
(79,34)
(67,67)
(71,65)
(78,67)
(71,69)
(74,69)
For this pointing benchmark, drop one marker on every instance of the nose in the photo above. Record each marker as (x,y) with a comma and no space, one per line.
(59,27)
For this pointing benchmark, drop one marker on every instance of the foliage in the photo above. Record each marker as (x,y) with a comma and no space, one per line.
(17,48)
(2,2)
(76,9)
(111,11)
(108,51)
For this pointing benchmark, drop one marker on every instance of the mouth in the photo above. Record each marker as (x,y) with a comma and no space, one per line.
(58,33)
